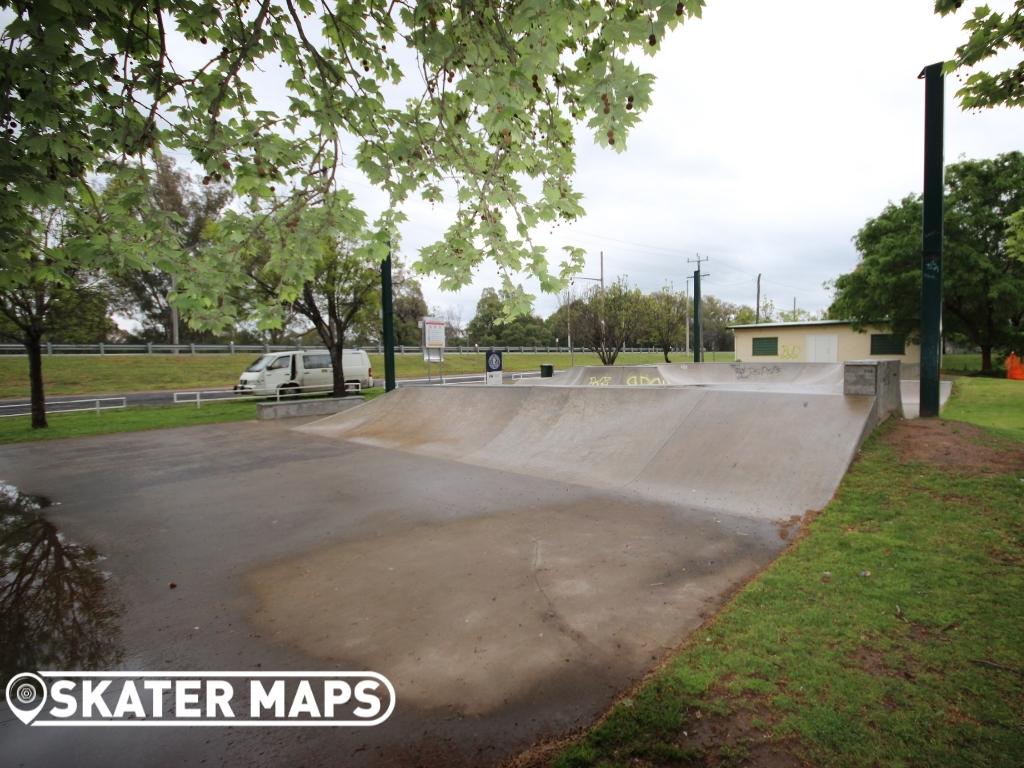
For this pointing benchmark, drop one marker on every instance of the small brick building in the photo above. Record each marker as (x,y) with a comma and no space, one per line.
(821,341)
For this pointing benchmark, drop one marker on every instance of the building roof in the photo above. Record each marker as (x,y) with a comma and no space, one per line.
(797,324)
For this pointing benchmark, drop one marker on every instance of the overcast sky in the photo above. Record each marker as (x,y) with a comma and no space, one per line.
(777,129)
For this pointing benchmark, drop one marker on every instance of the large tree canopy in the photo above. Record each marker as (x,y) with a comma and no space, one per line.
(983,281)
(271,96)
(989,33)
(491,327)
(191,208)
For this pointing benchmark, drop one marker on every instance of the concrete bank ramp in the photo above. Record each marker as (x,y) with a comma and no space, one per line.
(761,454)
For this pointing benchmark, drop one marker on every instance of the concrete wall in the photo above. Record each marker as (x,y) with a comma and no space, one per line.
(320,406)
(879,379)
(793,344)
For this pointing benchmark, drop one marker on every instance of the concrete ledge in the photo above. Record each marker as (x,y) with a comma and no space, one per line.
(877,378)
(321,406)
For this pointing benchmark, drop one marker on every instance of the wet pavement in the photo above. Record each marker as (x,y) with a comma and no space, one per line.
(505,609)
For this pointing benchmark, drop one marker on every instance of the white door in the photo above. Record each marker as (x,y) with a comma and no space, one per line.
(317,370)
(279,371)
(822,348)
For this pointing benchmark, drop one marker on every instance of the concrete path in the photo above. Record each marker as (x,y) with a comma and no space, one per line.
(504,608)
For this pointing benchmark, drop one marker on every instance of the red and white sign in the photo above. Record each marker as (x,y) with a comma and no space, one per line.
(433,333)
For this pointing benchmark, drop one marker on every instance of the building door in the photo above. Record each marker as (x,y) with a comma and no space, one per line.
(822,348)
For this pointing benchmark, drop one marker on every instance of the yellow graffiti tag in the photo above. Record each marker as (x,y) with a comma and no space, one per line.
(600,381)
(790,352)
(644,381)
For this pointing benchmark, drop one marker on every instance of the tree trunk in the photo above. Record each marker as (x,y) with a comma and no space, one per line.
(665,349)
(986,358)
(33,344)
(338,371)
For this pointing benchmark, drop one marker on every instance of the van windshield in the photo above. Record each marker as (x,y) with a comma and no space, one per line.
(260,363)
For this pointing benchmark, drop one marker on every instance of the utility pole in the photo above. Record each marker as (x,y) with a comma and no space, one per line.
(794,308)
(572,354)
(931,251)
(698,341)
(388,312)
(757,308)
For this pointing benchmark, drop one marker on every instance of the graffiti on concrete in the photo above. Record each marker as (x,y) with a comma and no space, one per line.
(642,380)
(756,371)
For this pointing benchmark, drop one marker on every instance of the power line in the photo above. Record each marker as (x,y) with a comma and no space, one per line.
(792,287)
(674,251)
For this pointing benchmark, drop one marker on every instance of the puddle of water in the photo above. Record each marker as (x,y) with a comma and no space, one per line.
(56,610)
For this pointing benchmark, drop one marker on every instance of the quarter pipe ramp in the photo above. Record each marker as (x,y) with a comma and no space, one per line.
(766,450)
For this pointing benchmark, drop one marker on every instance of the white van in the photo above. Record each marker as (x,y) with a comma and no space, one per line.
(304,370)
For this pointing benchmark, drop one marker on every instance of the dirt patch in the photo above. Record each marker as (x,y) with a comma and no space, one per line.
(787,526)
(874,662)
(743,737)
(956,447)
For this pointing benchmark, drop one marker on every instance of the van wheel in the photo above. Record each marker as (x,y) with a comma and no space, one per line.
(288,390)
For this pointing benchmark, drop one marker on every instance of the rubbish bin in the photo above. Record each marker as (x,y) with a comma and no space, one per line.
(547,371)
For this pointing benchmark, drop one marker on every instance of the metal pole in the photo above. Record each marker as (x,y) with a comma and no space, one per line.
(757,306)
(387,308)
(698,342)
(931,261)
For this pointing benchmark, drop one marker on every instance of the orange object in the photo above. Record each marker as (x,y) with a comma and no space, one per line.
(1014,367)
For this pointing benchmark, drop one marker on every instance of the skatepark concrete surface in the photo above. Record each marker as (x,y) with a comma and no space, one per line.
(790,377)
(764,454)
(512,558)
(911,392)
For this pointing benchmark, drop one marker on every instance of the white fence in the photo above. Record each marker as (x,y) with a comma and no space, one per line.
(283,393)
(54,407)
(231,348)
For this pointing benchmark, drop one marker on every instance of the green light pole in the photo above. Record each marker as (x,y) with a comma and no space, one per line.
(931,258)
(698,341)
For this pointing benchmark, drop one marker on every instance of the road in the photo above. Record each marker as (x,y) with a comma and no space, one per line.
(19,406)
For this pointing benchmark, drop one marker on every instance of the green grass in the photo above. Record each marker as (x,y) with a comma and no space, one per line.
(134,419)
(997,404)
(970,363)
(114,374)
(908,653)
